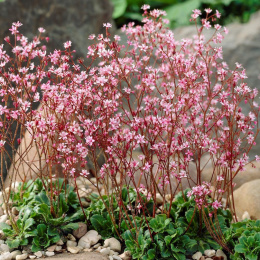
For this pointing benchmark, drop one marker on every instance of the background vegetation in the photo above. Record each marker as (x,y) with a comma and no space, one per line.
(178,11)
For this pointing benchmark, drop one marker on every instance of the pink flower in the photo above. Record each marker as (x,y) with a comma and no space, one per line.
(41,30)
(216,204)
(107,25)
(67,44)
(145,7)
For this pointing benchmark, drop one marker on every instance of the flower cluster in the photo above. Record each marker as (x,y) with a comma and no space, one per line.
(168,101)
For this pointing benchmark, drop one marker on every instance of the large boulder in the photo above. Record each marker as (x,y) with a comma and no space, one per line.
(247,198)
(63,20)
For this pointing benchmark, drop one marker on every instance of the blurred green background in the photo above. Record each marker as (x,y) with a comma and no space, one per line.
(179,11)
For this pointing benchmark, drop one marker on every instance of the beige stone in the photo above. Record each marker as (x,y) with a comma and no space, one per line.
(247,198)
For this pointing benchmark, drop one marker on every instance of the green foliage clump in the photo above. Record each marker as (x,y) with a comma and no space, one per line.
(158,237)
(244,237)
(42,221)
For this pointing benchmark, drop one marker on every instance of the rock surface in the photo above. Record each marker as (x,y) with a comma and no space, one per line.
(242,45)
(63,20)
(247,198)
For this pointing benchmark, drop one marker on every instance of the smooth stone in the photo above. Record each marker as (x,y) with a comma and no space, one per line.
(197,256)
(21,257)
(6,256)
(210,252)
(58,248)
(247,198)
(15,253)
(38,254)
(113,243)
(81,231)
(4,248)
(105,251)
(3,218)
(73,249)
(32,256)
(48,253)
(71,243)
(126,255)
(89,239)
(51,248)
(159,199)
(221,253)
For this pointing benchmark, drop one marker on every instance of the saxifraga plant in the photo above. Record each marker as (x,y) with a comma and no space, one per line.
(171,100)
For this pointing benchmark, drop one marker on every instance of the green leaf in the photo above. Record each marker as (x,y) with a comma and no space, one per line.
(181,12)
(28,223)
(42,198)
(51,231)
(70,226)
(35,248)
(41,229)
(189,215)
(13,243)
(119,8)
(63,207)
(44,210)
(151,254)
(98,222)
(240,248)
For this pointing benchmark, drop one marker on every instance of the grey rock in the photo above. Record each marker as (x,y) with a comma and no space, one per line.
(63,20)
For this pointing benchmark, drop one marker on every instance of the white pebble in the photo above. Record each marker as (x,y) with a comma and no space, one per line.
(210,252)
(21,257)
(3,218)
(58,248)
(197,256)
(48,253)
(113,243)
(38,254)
(32,256)
(73,249)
